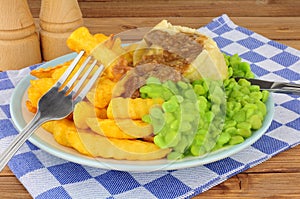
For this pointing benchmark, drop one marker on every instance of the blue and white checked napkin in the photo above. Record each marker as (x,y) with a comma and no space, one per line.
(46,176)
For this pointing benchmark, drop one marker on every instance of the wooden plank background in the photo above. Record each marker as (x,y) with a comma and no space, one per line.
(179,8)
(275,19)
(279,20)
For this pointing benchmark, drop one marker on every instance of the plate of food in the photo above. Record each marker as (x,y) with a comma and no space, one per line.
(169,101)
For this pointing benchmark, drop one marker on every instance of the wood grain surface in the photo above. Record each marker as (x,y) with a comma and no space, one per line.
(278,177)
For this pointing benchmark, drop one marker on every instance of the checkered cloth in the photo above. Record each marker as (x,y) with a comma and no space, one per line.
(46,176)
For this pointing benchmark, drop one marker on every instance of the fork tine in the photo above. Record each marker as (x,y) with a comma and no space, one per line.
(66,74)
(89,85)
(82,79)
(75,77)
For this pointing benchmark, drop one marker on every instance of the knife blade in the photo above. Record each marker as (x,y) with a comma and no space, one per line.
(276,87)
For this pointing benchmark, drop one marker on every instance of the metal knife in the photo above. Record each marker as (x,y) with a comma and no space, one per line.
(276,87)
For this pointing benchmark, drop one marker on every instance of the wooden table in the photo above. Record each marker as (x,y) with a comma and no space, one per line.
(279,20)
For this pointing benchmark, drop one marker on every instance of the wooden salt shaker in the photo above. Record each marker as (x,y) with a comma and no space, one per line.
(19,42)
(57,21)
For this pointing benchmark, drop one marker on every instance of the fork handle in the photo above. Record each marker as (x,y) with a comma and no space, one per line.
(20,140)
(286,88)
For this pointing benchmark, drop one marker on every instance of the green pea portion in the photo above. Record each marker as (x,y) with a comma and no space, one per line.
(205,115)
(178,115)
(237,139)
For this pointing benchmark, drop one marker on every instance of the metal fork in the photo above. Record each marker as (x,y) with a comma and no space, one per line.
(56,104)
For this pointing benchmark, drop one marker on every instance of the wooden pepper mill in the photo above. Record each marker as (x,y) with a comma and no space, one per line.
(57,21)
(19,42)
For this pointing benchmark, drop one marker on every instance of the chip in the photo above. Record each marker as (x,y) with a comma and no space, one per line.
(82,39)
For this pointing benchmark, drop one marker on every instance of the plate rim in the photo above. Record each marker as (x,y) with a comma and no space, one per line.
(19,123)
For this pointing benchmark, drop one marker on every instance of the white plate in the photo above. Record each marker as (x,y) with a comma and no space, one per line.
(45,141)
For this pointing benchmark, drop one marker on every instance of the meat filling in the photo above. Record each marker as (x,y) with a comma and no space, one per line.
(137,77)
(179,49)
